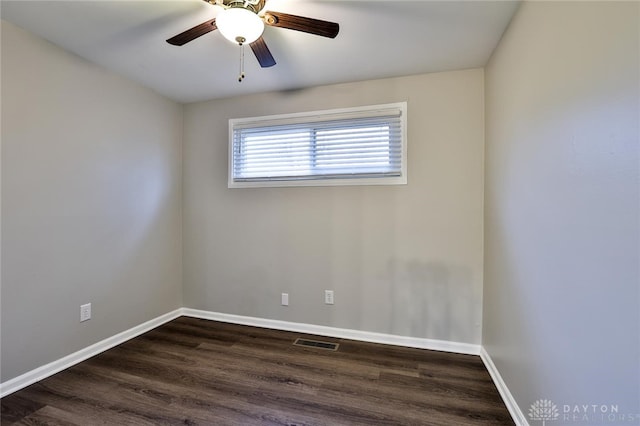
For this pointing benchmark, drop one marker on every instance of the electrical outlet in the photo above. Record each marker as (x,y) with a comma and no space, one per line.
(285,299)
(85,312)
(328,297)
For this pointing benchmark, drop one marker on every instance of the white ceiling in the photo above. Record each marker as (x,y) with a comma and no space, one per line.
(377,39)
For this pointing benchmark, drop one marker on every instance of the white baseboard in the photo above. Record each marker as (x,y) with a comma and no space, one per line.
(54,367)
(342,333)
(517,414)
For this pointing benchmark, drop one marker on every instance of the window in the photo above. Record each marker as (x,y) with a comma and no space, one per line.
(353,146)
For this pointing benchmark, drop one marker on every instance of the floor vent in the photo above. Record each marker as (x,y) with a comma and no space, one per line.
(316,344)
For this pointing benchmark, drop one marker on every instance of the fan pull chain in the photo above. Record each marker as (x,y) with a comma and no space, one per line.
(241,76)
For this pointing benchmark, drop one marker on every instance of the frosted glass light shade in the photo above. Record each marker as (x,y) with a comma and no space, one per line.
(239,25)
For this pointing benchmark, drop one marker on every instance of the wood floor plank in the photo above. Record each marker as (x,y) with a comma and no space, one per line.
(50,416)
(199,372)
(18,407)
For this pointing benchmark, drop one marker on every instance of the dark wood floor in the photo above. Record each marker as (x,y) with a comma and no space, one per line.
(198,372)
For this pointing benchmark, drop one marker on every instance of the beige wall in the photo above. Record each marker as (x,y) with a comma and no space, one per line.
(91,203)
(405,259)
(561,289)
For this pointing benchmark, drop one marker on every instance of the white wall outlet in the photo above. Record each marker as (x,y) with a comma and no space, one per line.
(285,299)
(85,312)
(328,297)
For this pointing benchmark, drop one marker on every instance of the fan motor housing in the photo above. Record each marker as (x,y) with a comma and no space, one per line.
(253,5)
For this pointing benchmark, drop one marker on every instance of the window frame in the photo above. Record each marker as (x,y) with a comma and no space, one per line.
(319,116)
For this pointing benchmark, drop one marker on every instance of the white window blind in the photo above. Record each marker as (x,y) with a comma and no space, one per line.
(346,146)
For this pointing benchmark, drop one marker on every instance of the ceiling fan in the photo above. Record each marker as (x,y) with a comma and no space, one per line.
(243,21)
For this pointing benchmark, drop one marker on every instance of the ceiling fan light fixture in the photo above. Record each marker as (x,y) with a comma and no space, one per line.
(239,25)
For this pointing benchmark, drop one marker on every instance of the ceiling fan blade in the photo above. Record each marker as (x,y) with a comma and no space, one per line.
(193,33)
(262,53)
(300,23)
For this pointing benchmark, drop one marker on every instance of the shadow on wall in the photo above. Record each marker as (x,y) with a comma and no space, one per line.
(431,299)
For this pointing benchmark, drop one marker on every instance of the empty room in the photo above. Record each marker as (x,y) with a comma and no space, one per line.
(320,212)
